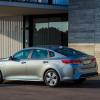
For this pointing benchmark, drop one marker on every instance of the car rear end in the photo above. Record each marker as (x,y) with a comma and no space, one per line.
(87,68)
(77,65)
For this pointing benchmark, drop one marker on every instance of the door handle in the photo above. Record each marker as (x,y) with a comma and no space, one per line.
(45,62)
(23,62)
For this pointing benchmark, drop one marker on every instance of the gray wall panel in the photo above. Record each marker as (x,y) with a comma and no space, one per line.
(11,35)
(84,26)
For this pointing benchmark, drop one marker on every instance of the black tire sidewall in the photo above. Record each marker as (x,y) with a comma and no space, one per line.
(1,78)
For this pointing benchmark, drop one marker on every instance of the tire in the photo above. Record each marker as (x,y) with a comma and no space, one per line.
(80,81)
(1,78)
(51,78)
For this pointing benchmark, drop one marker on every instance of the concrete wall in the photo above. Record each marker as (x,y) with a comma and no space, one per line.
(84,26)
(11,35)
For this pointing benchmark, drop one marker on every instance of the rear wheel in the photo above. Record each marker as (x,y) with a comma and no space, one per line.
(80,81)
(51,78)
(1,78)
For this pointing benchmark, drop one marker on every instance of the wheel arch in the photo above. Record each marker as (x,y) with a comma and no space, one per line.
(1,75)
(54,70)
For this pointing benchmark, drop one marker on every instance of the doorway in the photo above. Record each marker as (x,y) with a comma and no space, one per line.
(48,30)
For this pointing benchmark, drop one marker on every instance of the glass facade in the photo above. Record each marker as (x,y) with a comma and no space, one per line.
(52,2)
(46,30)
(60,2)
(50,31)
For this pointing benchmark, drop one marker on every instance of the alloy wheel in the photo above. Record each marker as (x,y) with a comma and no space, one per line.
(51,78)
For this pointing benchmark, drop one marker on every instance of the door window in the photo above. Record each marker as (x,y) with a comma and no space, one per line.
(24,54)
(39,54)
(51,54)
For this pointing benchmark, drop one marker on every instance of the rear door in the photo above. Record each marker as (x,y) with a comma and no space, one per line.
(39,58)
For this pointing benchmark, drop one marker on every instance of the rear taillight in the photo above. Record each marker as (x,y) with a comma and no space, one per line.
(71,61)
(93,59)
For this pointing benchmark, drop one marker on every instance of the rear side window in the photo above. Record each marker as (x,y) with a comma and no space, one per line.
(39,54)
(51,54)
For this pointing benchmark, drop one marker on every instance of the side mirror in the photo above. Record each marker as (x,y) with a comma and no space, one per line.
(10,58)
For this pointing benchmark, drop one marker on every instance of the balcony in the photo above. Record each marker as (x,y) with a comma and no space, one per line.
(34,7)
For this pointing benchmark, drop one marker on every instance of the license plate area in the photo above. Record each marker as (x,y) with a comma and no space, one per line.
(85,62)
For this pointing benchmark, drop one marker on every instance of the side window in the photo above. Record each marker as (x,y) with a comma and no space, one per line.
(24,54)
(39,54)
(51,54)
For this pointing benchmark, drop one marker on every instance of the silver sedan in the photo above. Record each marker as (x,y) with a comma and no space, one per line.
(51,64)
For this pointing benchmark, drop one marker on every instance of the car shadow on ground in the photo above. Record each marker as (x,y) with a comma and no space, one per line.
(91,83)
(87,84)
(21,83)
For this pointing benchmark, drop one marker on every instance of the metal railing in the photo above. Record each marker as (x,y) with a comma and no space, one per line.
(48,2)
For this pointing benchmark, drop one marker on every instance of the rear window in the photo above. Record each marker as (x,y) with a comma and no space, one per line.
(68,51)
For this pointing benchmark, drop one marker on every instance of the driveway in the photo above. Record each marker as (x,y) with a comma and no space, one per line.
(90,90)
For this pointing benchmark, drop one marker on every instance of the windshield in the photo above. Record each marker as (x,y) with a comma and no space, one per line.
(69,52)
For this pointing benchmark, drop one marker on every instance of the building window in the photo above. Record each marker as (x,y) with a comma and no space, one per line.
(50,31)
(60,2)
(46,30)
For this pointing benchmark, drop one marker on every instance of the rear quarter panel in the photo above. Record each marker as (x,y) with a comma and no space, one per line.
(53,64)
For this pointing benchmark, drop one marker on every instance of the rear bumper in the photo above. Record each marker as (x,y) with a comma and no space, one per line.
(79,76)
(93,74)
(80,72)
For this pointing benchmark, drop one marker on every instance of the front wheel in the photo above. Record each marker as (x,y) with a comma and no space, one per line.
(51,78)
(1,79)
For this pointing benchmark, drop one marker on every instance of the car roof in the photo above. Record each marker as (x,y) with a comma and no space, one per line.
(50,47)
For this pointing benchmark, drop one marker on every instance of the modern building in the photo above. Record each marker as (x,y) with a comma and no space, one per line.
(84,26)
(25,23)
(73,23)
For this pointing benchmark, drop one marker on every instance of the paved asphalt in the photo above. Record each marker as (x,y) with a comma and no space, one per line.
(90,90)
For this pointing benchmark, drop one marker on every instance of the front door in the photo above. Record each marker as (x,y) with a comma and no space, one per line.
(16,69)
